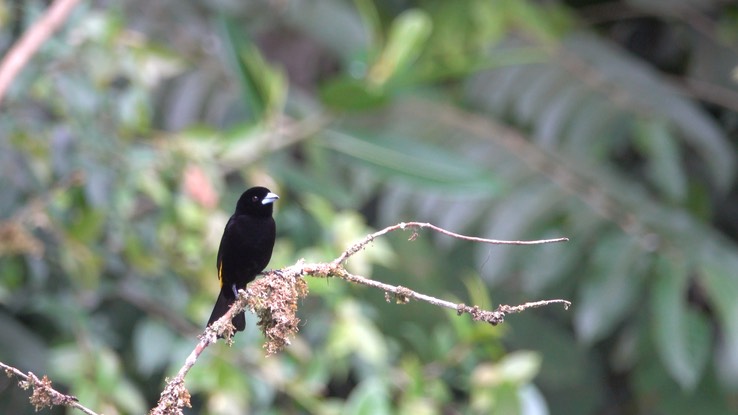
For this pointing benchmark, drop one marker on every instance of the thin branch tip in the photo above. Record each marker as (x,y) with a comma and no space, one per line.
(355,248)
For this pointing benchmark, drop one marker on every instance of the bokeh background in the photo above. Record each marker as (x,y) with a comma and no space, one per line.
(127,139)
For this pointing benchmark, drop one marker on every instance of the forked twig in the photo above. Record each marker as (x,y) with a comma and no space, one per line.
(43,395)
(274,299)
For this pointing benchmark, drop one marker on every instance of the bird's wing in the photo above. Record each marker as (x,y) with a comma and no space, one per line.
(219,263)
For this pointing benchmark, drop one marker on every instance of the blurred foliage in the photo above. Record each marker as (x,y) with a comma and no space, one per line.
(126,141)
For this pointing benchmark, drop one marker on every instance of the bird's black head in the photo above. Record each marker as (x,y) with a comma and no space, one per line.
(256,201)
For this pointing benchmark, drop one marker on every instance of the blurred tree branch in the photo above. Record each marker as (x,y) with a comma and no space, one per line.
(31,41)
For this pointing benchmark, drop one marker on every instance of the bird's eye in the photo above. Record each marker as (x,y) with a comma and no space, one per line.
(255,199)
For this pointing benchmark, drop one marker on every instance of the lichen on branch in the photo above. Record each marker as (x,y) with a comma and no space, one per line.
(275,297)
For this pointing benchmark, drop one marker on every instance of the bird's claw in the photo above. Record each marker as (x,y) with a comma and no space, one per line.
(273,271)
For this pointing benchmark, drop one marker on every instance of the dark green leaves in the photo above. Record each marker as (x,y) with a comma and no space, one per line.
(681,333)
(609,287)
(421,163)
(263,88)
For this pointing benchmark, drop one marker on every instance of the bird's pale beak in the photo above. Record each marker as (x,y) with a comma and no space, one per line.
(269,198)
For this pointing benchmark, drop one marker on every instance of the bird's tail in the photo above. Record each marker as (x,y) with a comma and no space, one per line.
(222,305)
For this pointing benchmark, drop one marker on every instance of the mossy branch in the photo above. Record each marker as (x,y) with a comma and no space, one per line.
(275,297)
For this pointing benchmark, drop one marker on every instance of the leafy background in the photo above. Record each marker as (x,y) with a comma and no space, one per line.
(127,139)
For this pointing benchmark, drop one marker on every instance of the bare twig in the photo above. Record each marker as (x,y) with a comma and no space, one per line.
(274,299)
(31,41)
(419,225)
(43,395)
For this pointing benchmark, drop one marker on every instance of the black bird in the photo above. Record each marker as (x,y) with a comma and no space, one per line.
(245,249)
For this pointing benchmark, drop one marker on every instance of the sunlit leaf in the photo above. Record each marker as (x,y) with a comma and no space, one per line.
(353,333)
(409,32)
(369,397)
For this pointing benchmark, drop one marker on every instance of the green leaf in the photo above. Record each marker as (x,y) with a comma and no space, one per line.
(478,293)
(86,224)
(548,264)
(405,42)
(153,343)
(348,94)
(135,111)
(610,288)
(264,87)
(371,21)
(519,367)
(662,153)
(718,277)
(80,262)
(353,333)
(544,23)
(497,386)
(369,397)
(418,162)
(682,337)
(649,380)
